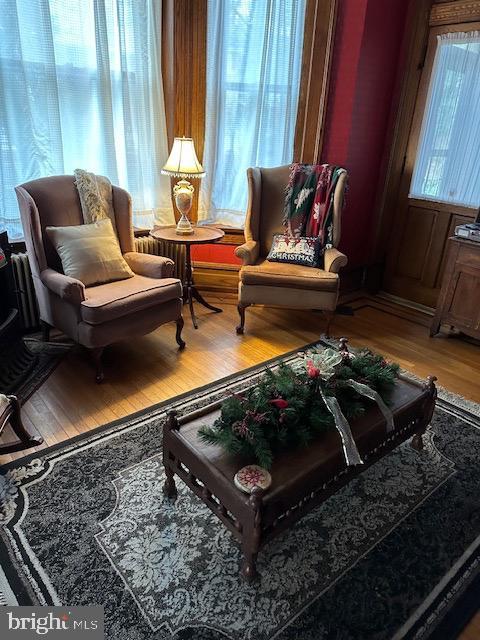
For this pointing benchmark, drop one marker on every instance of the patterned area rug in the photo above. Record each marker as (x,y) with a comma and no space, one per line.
(392,555)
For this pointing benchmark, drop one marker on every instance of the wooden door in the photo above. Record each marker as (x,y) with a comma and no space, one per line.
(417,248)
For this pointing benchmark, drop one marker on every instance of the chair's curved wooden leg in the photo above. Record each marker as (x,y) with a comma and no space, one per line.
(329,317)
(96,354)
(25,438)
(178,335)
(241,312)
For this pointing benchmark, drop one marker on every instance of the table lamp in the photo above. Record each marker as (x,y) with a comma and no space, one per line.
(183,163)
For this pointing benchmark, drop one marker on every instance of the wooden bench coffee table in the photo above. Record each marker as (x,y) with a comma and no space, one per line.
(301,479)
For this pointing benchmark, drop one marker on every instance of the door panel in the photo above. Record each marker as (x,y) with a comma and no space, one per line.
(416,236)
(418,260)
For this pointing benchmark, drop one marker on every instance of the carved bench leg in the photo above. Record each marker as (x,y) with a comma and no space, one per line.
(252,536)
(427,413)
(249,568)
(417,441)
(169,487)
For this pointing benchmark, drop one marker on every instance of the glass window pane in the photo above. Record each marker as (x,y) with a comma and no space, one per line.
(82,88)
(254,52)
(447,168)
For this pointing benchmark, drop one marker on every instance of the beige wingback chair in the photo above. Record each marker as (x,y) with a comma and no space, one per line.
(94,316)
(278,283)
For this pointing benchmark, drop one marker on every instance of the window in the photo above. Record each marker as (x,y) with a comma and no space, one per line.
(254,51)
(447,168)
(81,87)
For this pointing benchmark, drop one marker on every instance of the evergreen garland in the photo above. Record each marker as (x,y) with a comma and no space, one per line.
(285,409)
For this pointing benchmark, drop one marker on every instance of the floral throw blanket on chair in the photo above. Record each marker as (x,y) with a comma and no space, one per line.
(309,196)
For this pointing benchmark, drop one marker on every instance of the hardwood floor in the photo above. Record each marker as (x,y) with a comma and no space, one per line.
(150,369)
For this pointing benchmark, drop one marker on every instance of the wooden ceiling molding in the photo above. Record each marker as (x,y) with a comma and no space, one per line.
(320,19)
(457,12)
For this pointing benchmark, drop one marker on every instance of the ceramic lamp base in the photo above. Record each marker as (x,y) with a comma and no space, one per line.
(184,226)
(183,192)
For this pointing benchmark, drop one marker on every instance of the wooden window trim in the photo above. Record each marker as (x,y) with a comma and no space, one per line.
(184,63)
(457,12)
(318,42)
(234,237)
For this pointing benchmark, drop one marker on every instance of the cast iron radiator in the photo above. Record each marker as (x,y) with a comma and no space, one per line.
(27,301)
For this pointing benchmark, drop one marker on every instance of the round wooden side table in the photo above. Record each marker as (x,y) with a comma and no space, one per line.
(200,235)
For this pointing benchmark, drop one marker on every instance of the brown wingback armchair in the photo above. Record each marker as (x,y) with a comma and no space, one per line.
(278,283)
(94,316)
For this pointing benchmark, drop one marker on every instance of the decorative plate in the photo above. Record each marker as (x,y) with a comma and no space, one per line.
(252,476)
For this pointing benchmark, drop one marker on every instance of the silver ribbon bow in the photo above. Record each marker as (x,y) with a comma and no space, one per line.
(327,362)
(352,456)
(368,392)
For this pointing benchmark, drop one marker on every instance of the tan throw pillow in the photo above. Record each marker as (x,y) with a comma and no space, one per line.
(90,252)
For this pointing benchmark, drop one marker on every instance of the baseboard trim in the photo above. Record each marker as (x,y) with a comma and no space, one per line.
(403,302)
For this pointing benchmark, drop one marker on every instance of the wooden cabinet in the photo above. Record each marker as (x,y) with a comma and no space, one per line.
(459,301)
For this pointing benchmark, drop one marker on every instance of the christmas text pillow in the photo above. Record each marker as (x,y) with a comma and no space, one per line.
(304,251)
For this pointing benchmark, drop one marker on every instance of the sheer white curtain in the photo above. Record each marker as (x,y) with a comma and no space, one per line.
(254,52)
(448,161)
(81,87)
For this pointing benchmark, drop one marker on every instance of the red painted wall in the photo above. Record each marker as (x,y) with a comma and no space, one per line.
(364,67)
(366,58)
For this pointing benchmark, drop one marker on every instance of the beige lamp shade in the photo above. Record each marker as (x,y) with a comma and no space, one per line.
(182,161)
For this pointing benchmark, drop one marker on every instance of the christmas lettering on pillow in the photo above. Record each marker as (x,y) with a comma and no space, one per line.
(296,250)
